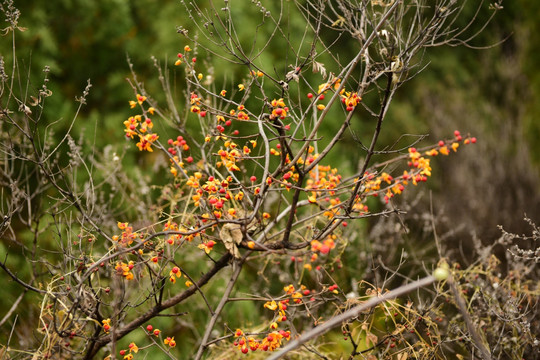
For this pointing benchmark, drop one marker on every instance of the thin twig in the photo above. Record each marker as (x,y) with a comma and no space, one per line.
(352,313)
(462,307)
(13,308)
(219,308)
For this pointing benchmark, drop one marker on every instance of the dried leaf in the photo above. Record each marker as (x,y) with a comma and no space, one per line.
(403,356)
(371,338)
(292,75)
(319,67)
(34,101)
(231,235)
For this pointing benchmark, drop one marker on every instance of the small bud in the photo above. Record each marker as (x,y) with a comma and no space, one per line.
(441,273)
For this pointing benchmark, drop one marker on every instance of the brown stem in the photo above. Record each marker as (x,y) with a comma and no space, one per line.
(153,312)
(351,313)
(290,220)
(462,307)
(220,307)
(387,97)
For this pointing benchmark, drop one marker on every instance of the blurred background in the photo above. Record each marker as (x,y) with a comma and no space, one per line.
(489,89)
(490,92)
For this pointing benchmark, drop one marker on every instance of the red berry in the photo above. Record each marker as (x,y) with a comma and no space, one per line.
(149,328)
(202,113)
(456,133)
(253,178)
(310,95)
(189,159)
(325,249)
(122,352)
(473,140)
(441,143)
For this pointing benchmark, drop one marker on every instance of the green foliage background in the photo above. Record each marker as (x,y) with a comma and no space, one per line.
(490,92)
